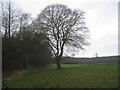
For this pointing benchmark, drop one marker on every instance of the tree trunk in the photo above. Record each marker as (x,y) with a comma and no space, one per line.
(9,22)
(58,62)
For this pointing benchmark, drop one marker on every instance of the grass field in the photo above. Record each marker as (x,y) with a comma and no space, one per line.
(72,76)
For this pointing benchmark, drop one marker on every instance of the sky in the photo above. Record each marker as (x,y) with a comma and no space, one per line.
(101,19)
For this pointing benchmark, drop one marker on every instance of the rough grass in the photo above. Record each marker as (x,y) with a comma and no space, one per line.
(72,76)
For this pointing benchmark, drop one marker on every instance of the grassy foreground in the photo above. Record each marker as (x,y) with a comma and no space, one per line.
(72,76)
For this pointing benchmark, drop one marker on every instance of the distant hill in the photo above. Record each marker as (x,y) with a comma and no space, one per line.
(72,60)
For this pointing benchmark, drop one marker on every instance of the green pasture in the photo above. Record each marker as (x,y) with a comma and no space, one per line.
(71,76)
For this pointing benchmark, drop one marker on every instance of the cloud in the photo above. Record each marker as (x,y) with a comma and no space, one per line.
(101,19)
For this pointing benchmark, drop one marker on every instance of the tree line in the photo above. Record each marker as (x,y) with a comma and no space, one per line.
(22,46)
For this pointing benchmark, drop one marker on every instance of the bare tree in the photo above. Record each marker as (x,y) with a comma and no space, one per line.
(10,18)
(25,20)
(63,27)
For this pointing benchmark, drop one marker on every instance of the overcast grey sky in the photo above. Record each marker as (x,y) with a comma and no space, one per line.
(101,19)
